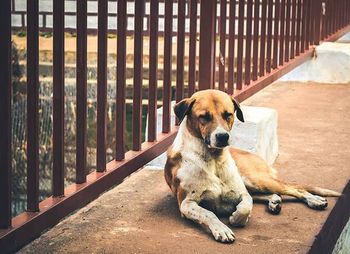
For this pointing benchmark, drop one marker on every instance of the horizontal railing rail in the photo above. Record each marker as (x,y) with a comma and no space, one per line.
(242,47)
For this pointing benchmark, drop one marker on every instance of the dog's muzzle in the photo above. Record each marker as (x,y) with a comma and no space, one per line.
(219,138)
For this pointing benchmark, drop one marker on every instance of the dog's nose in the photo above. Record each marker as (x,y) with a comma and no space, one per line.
(222,138)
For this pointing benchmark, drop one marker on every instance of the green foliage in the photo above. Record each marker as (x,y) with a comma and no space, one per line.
(21,33)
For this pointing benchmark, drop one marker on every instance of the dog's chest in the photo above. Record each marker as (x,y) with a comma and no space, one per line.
(220,185)
(212,181)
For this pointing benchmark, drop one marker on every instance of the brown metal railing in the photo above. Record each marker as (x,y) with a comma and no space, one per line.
(259,41)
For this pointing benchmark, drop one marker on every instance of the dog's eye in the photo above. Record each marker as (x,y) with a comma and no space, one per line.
(205,118)
(227,116)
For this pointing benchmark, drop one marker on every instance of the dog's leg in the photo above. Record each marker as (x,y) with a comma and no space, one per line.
(300,192)
(313,201)
(241,215)
(191,210)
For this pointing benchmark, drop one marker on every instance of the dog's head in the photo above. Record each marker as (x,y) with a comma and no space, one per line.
(210,116)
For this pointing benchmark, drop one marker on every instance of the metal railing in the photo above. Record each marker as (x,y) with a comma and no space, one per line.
(258,41)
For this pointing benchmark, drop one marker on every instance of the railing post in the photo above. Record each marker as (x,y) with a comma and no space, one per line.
(167,63)
(121,80)
(32,106)
(138,63)
(192,48)
(207,44)
(180,51)
(318,14)
(102,85)
(81,97)
(58,99)
(5,114)
(153,64)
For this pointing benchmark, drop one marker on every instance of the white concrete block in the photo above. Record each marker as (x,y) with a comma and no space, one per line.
(258,134)
(330,65)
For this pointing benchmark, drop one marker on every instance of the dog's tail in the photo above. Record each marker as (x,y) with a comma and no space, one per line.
(321,191)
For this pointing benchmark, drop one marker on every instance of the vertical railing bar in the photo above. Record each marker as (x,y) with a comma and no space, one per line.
(231,47)
(168,31)
(323,21)
(207,40)
(121,80)
(328,13)
(248,48)
(337,15)
(287,41)
(241,4)
(342,14)
(347,11)
(311,18)
(334,16)
(339,6)
(192,48)
(153,66)
(222,53)
(292,39)
(81,97)
(33,106)
(276,34)
(303,26)
(102,86)
(138,61)
(263,39)
(282,31)
(269,36)
(331,17)
(313,10)
(5,114)
(256,39)
(318,13)
(308,18)
(215,57)
(58,98)
(180,52)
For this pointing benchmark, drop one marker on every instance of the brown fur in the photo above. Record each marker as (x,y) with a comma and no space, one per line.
(170,172)
(263,181)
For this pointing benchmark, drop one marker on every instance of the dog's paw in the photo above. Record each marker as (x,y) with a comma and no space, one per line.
(316,202)
(240,217)
(221,232)
(275,204)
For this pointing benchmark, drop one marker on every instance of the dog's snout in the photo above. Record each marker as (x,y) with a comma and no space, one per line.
(222,138)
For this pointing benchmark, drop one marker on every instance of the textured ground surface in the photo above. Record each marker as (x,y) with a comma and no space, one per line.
(141,216)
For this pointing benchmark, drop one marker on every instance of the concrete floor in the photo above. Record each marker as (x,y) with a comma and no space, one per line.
(141,215)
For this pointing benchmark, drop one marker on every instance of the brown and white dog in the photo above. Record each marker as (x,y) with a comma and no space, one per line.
(209,177)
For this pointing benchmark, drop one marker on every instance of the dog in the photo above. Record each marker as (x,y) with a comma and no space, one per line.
(209,177)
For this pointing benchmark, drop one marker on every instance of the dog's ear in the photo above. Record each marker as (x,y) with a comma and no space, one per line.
(239,112)
(182,108)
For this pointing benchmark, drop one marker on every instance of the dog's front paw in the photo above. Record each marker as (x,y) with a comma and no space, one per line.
(221,232)
(240,217)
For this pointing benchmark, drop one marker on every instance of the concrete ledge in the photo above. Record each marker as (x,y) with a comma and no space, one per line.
(331,64)
(258,134)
